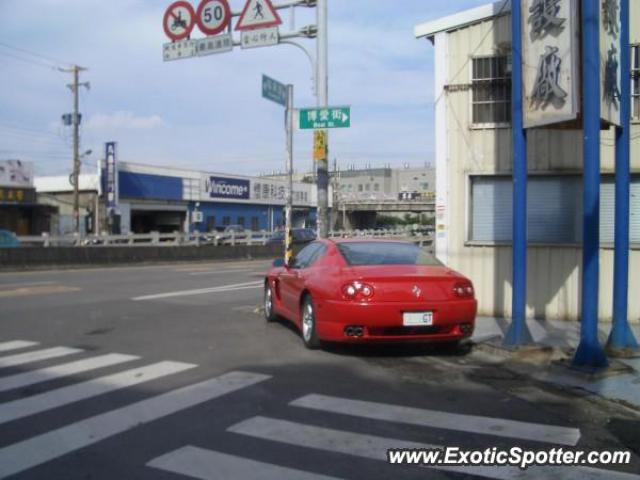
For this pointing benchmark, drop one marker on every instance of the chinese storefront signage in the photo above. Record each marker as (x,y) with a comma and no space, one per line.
(17,195)
(111,176)
(550,51)
(275,192)
(610,61)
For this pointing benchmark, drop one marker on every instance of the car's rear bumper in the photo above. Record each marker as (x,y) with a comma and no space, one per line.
(383,322)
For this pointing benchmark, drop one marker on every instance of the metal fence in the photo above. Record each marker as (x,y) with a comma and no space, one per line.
(198,238)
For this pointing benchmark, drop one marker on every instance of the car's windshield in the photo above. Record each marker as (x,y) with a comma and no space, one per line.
(385,253)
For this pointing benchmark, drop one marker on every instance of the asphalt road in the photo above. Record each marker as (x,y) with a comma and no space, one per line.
(168,372)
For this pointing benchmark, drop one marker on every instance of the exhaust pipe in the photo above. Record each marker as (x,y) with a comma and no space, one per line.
(348,331)
(358,331)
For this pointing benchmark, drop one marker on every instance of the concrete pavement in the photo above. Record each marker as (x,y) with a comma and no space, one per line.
(620,383)
(166,372)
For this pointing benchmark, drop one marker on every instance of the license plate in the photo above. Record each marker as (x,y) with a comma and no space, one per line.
(413,319)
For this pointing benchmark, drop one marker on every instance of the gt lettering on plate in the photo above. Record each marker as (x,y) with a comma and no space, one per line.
(420,319)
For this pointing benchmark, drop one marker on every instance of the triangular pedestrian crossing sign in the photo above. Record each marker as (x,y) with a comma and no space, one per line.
(258,14)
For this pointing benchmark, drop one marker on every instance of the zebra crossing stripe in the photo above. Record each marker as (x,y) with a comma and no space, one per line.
(59,371)
(437,419)
(24,407)
(34,451)
(194,462)
(15,345)
(29,357)
(201,291)
(375,448)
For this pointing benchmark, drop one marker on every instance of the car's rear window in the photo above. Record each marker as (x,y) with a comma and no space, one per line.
(385,253)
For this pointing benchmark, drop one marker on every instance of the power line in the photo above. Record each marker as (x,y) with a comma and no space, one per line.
(10,126)
(30,61)
(57,62)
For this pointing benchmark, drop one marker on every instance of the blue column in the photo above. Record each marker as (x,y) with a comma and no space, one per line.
(518,333)
(590,352)
(621,339)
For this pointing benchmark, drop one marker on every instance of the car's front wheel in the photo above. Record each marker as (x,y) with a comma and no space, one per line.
(269,313)
(308,315)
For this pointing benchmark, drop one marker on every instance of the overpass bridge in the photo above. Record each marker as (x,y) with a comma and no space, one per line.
(362,211)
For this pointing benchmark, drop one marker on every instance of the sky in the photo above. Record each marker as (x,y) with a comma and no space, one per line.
(207,113)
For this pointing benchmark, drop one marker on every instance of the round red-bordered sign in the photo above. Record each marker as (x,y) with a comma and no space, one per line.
(213,16)
(179,20)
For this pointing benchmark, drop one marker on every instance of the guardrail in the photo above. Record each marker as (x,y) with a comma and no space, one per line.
(197,238)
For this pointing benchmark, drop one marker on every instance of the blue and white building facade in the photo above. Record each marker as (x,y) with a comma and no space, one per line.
(168,199)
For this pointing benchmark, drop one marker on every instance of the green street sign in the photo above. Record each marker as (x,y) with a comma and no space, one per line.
(320,118)
(274,90)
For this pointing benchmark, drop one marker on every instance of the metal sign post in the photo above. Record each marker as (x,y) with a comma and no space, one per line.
(518,333)
(621,341)
(590,353)
(288,238)
(282,94)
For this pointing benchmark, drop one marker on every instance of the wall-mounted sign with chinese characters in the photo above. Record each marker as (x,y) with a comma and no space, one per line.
(329,117)
(550,56)
(610,70)
(275,192)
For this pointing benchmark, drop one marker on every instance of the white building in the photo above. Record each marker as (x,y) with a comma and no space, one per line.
(474,168)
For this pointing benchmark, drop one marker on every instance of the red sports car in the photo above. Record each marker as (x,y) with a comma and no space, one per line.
(355,290)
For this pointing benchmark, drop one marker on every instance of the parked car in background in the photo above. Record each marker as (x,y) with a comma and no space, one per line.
(8,239)
(357,290)
(300,236)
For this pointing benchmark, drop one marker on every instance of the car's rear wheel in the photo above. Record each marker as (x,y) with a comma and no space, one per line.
(308,316)
(269,313)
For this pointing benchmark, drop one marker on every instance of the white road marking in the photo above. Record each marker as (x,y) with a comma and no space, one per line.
(445,420)
(202,291)
(216,272)
(194,462)
(16,344)
(29,357)
(375,448)
(48,446)
(24,407)
(45,374)
(25,284)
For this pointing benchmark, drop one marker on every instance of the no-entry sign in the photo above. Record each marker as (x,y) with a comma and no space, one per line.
(179,20)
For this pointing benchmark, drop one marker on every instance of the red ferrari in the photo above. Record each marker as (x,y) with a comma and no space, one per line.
(359,290)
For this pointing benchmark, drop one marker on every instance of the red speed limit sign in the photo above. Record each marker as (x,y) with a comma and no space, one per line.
(213,16)
(179,20)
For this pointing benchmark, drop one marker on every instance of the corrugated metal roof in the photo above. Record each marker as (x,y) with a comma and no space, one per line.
(461,19)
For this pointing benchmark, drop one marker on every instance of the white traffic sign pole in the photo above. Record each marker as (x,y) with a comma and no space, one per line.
(288,236)
(322,167)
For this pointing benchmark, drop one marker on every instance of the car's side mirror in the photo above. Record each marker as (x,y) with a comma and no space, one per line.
(278,262)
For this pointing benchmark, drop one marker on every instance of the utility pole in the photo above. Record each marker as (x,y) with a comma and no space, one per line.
(288,236)
(322,166)
(75,87)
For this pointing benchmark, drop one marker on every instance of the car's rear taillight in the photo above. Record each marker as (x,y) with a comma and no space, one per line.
(357,291)
(463,290)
